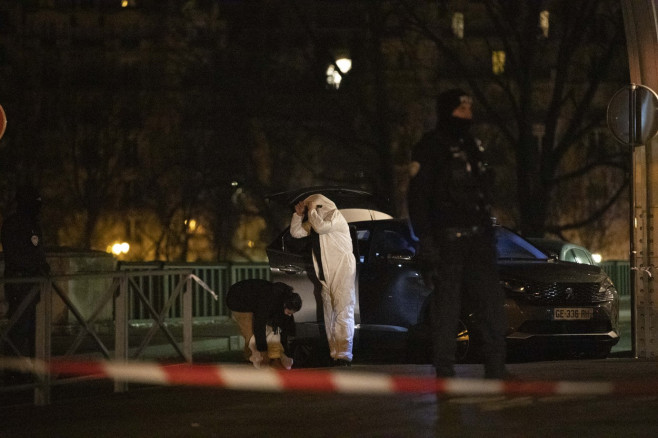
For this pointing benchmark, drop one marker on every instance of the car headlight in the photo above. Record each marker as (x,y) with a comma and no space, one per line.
(607,290)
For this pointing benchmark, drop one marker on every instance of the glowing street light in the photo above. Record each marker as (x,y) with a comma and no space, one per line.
(120,248)
(335,77)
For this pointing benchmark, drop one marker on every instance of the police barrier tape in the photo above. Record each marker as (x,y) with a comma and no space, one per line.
(346,381)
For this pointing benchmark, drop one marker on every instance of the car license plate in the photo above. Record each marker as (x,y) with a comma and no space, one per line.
(572,313)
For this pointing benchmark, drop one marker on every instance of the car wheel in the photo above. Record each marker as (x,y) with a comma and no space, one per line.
(309,353)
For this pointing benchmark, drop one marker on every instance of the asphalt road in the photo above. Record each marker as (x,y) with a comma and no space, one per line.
(92,410)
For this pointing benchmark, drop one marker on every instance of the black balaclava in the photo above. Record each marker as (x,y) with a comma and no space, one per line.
(28,201)
(293,302)
(446,103)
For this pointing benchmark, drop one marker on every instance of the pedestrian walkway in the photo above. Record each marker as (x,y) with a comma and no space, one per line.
(624,346)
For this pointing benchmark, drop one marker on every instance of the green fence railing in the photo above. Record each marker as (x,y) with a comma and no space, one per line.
(217,276)
(220,276)
(619,272)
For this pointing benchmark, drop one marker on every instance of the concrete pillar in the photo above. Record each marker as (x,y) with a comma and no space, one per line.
(641,26)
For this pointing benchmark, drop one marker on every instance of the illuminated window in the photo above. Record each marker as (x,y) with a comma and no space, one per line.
(498,62)
(458,25)
(544,23)
(335,77)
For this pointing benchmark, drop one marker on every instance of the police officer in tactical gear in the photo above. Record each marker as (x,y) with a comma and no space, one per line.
(449,204)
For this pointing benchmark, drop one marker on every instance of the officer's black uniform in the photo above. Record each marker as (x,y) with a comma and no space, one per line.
(22,245)
(449,208)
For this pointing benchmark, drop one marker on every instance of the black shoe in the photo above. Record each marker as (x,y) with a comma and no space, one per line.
(342,363)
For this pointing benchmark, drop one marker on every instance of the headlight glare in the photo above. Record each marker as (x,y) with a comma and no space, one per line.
(607,290)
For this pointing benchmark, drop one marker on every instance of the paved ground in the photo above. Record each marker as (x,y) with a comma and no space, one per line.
(91,408)
(150,411)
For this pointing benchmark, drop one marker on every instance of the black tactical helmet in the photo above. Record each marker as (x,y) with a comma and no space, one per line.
(446,103)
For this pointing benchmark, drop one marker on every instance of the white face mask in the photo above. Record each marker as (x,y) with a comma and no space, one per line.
(315,206)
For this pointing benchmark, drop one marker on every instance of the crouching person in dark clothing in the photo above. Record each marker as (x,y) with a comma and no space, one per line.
(264,311)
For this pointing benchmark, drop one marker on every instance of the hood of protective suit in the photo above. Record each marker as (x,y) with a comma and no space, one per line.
(325,207)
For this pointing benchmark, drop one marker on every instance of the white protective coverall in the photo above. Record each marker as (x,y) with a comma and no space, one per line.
(339,269)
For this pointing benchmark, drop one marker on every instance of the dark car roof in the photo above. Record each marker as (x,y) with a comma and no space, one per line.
(343,197)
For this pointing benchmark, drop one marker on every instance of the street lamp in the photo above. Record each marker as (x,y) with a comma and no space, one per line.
(120,248)
(334,77)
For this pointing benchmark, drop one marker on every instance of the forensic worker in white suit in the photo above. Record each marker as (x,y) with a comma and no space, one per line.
(335,267)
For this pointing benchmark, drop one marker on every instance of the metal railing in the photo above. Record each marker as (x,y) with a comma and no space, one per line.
(154,294)
(619,272)
(116,300)
(219,277)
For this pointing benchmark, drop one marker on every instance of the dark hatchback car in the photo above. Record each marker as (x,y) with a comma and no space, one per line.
(554,308)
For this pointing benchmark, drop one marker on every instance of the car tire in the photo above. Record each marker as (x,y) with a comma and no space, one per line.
(309,353)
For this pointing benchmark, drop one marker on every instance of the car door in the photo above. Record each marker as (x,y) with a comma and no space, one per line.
(391,290)
(291,263)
